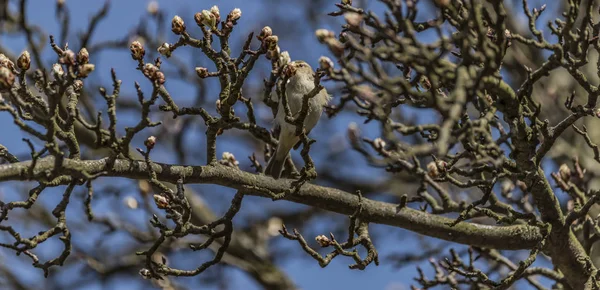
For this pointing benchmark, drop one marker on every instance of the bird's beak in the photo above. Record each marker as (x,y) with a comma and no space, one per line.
(289,70)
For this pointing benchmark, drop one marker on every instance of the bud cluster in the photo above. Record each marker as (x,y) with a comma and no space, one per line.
(436,168)
(228,159)
(212,17)
(323,241)
(153,73)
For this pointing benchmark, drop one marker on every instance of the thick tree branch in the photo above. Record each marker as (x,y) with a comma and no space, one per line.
(331,199)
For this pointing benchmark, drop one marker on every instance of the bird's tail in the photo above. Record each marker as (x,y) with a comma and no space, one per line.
(277,162)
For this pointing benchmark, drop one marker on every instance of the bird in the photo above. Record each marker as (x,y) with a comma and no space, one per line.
(300,82)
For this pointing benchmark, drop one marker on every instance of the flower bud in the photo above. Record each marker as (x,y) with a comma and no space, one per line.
(323,241)
(161,201)
(228,159)
(235,14)
(68,57)
(198,18)
(343,37)
(7,78)
(152,8)
(432,169)
(347,2)
(353,134)
(325,63)
(145,273)
(265,32)
(565,172)
(24,60)
(57,69)
(149,70)
(202,72)
(130,202)
(353,19)
(159,77)
(137,50)
(323,34)
(177,25)
(273,54)
(150,142)
(209,19)
(86,69)
(144,187)
(379,143)
(83,56)
(271,42)
(78,85)
(165,49)
(5,62)
(507,186)
(215,12)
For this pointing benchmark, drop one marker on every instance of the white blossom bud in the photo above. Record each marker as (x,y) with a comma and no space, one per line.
(57,69)
(209,19)
(215,12)
(325,63)
(323,34)
(235,14)
(150,142)
(379,143)
(165,49)
(265,32)
(86,69)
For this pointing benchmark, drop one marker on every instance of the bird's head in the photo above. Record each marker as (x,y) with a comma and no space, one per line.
(297,67)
